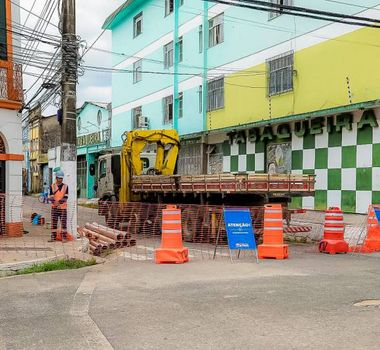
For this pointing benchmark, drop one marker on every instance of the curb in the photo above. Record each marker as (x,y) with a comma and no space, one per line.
(24,264)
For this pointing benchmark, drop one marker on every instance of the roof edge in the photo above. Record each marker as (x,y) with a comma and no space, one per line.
(110,20)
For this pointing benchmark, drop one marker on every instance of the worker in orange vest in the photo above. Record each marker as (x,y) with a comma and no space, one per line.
(59,193)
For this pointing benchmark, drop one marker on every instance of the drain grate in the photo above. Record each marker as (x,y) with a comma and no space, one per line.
(370,302)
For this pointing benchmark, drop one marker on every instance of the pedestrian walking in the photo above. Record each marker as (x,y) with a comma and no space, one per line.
(59,193)
(46,189)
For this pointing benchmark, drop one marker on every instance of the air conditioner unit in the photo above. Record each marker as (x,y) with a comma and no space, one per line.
(142,122)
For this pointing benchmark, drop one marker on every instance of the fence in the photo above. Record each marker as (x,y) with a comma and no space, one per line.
(203,230)
(28,243)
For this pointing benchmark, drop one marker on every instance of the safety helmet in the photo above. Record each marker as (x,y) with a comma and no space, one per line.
(59,174)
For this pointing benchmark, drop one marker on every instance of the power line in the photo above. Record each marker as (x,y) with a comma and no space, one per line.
(352,5)
(281,7)
(48,12)
(255,24)
(33,14)
(27,17)
(246,86)
(248,4)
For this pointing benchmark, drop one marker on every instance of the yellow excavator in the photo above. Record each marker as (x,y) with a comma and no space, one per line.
(131,164)
(143,175)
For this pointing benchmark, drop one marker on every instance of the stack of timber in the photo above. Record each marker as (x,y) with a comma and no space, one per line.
(103,238)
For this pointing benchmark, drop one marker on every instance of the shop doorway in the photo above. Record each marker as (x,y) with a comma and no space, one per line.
(82,176)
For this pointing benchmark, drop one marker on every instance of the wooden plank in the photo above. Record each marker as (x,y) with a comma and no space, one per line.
(228,183)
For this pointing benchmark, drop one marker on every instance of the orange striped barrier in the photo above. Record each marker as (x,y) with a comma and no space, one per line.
(273,246)
(372,241)
(171,249)
(333,236)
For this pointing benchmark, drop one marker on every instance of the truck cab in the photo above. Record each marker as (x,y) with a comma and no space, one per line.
(109,173)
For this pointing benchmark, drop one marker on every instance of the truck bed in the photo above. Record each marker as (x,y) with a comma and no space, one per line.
(297,185)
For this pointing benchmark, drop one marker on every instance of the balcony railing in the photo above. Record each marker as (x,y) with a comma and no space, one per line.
(11,83)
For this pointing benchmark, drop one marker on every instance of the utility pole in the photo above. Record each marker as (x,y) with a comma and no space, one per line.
(68,151)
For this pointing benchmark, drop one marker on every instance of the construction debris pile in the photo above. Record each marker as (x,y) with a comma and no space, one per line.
(103,238)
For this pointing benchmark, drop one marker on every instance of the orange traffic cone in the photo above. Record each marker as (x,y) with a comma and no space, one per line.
(171,249)
(273,246)
(372,242)
(333,237)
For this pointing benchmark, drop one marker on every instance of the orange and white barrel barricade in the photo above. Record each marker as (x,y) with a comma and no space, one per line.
(333,236)
(171,249)
(273,246)
(372,241)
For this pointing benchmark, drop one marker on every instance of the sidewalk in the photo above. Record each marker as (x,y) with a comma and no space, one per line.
(19,252)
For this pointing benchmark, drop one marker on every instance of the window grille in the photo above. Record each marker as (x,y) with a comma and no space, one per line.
(215,94)
(280,71)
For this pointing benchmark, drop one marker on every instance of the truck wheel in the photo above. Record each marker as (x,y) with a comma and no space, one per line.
(189,225)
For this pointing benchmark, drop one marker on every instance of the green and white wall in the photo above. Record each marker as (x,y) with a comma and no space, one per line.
(345,160)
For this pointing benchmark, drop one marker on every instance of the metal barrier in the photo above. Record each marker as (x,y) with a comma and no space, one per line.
(203,230)
(23,243)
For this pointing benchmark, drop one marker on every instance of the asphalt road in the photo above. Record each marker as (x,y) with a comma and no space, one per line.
(306,302)
(32,205)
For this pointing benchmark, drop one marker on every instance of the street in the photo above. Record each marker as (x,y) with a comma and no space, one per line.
(235,150)
(306,302)
(32,205)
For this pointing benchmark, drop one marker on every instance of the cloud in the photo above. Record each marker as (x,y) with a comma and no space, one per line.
(90,18)
(95,94)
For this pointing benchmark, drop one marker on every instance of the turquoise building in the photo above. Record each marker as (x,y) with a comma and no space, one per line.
(255,91)
(93,138)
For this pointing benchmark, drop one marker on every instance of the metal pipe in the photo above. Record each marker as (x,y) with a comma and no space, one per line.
(105,231)
(98,236)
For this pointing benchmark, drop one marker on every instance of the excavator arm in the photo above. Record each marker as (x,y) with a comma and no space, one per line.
(134,142)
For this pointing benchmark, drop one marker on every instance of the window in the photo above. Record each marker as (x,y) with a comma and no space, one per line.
(200,98)
(280,74)
(79,123)
(137,74)
(168,109)
(180,105)
(215,94)
(137,24)
(180,45)
(275,14)
(136,114)
(3,33)
(216,35)
(169,6)
(200,38)
(99,117)
(102,168)
(145,164)
(168,55)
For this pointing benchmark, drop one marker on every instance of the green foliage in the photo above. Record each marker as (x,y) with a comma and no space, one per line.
(64,264)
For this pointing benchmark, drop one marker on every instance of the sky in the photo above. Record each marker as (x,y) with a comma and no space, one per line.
(90,18)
